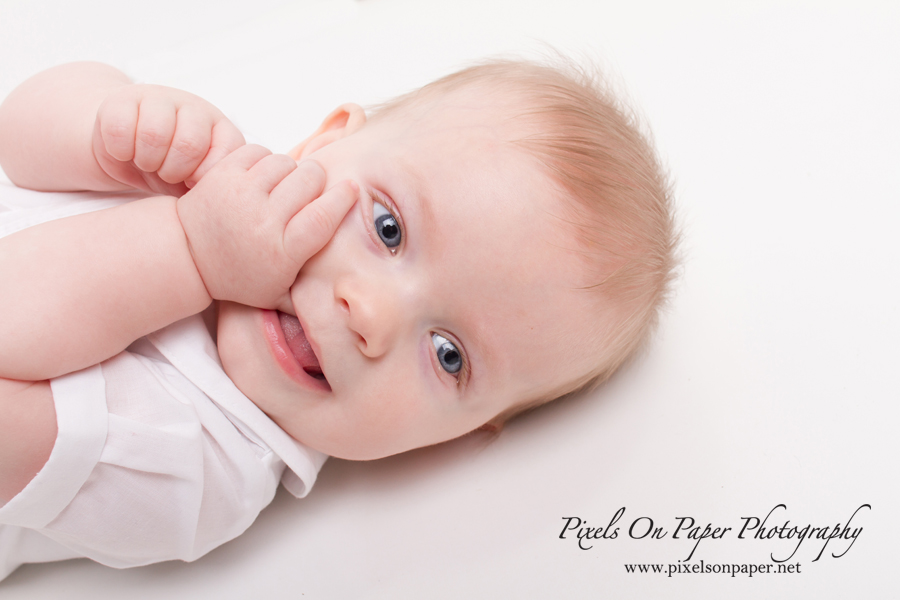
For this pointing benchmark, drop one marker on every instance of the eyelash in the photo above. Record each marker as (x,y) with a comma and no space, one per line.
(462,377)
(392,209)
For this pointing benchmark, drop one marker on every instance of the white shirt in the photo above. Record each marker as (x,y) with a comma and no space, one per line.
(158,455)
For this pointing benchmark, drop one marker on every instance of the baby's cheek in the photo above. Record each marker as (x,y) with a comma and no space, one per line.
(237,347)
(380,425)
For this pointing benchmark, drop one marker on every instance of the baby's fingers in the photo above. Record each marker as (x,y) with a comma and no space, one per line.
(155,130)
(245,157)
(303,185)
(311,228)
(118,123)
(225,139)
(190,143)
(271,170)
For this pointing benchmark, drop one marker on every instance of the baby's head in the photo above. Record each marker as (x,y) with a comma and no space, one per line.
(512,243)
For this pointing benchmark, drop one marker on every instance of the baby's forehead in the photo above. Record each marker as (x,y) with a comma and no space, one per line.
(473,107)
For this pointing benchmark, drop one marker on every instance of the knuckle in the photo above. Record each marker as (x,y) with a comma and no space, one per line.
(320,220)
(285,163)
(273,160)
(234,137)
(189,147)
(311,175)
(111,105)
(286,160)
(253,150)
(153,137)
(116,131)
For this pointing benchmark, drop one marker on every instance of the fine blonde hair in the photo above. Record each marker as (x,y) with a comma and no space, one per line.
(594,148)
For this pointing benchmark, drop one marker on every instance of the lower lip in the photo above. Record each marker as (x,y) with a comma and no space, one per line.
(283,356)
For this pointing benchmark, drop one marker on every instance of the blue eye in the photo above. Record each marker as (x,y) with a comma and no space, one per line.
(449,357)
(386,225)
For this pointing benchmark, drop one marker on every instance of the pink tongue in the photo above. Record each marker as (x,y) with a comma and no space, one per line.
(299,345)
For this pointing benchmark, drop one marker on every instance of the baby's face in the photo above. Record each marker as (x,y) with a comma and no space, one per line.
(448,294)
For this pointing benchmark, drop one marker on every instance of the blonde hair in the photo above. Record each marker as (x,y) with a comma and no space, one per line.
(593,146)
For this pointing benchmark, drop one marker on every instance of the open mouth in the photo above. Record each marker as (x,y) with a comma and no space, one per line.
(300,346)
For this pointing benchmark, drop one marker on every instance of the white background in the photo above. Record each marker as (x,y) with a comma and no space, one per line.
(773,379)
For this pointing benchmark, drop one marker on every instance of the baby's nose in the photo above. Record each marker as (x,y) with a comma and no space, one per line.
(372,314)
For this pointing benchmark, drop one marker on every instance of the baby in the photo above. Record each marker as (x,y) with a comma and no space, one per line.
(490,242)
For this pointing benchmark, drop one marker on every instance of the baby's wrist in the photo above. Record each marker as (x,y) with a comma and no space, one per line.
(191,251)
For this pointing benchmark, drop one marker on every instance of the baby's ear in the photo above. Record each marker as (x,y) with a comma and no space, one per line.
(342,121)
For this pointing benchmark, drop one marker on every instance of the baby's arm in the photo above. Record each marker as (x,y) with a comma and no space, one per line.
(82,288)
(27,433)
(87,286)
(85,126)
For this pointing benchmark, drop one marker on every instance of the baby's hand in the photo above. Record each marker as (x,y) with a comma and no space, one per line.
(255,219)
(160,139)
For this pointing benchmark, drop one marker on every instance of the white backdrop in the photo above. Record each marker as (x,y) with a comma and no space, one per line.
(773,379)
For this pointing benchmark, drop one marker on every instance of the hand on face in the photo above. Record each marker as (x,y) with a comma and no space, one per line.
(255,219)
(160,139)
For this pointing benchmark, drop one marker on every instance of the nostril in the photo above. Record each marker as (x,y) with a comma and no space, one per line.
(345,305)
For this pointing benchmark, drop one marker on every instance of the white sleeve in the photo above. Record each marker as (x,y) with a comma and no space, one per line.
(82,428)
(145,469)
